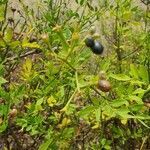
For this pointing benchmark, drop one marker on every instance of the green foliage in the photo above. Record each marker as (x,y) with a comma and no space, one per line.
(49,76)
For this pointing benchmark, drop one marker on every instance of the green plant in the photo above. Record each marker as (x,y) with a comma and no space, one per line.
(48,77)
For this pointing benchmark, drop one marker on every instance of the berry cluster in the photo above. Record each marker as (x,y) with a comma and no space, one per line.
(95,46)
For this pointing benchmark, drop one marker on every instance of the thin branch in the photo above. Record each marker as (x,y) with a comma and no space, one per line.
(21,56)
(143,142)
(65,61)
(126,56)
(94,89)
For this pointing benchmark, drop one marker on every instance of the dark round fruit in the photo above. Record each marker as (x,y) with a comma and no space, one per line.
(89,41)
(104,85)
(97,48)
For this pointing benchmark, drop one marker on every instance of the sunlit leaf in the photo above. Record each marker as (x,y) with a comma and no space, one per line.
(119,102)
(2,43)
(133,71)
(109,111)
(98,114)
(120,77)
(28,73)
(38,105)
(139,91)
(135,99)
(124,121)
(2,80)
(14,44)
(143,73)
(30,45)
(45,145)
(136,107)
(2,10)
(123,112)
(51,101)
(86,111)
(3,126)
(1,120)
(8,35)
(127,15)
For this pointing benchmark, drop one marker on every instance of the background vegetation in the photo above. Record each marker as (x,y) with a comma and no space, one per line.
(49,98)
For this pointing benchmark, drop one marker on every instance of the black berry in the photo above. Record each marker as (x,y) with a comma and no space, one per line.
(97,48)
(89,42)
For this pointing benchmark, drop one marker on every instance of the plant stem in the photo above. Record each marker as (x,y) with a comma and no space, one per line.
(144,140)
(117,37)
(147,58)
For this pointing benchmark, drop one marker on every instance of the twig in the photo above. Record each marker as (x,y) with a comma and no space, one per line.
(145,138)
(97,92)
(21,56)
(65,61)
(126,56)
(146,2)
(117,38)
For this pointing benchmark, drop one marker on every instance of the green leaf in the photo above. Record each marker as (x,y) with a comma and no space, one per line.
(30,45)
(107,147)
(144,124)
(119,102)
(109,111)
(136,99)
(2,43)
(63,40)
(139,91)
(141,117)
(27,44)
(67,133)
(127,15)
(38,104)
(2,12)
(120,77)
(28,73)
(86,111)
(51,101)
(136,107)
(123,112)
(8,35)
(98,114)
(3,127)
(105,65)
(137,82)
(1,70)
(14,44)
(45,145)
(3,109)
(103,141)
(143,73)
(2,81)
(133,71)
